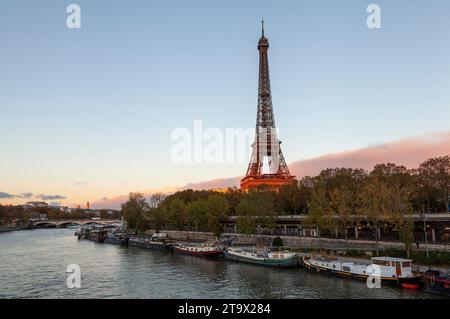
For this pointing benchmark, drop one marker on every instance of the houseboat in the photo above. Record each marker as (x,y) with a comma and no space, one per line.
(212,249)
(84,231)
(277,258)
(117,239)
(437,283)
(99,235)
(394,270)
(157,241)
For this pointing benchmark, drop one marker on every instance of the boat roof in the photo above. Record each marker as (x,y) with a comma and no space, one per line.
(384,258)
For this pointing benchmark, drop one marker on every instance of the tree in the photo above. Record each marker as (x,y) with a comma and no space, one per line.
(177,213)
(197,212)
(334,198)
(320,213)
(133,211)
(217,207)
(435,178)
(292,199)
(156,199)
(406,235)
(374,199)
(341,203)
(158,218)
(256,209)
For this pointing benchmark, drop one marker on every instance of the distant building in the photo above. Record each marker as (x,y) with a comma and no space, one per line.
(65,209)
(38,216)
(36,204)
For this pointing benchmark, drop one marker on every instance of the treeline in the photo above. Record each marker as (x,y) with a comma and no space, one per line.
(8,213)
(388,192)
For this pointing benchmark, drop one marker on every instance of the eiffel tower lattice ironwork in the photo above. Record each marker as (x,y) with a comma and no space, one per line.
(266,150)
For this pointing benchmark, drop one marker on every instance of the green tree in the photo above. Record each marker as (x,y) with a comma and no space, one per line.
(177,213)
(133,211)
(374,199)
(158,218)
(197,212)
(217,207)
(406,235)
(320,215)
(256,209)
(435,178)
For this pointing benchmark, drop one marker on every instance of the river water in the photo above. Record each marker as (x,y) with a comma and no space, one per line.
(33,265)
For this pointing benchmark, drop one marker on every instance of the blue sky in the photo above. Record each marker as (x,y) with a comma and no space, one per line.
(89,113)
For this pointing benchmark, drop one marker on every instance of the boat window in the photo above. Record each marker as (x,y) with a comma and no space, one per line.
(406,264)
(381,263)
(346,268)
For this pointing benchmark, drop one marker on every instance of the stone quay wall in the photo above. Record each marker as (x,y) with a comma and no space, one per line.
(301,242)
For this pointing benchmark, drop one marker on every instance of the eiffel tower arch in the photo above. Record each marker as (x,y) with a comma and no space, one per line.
(267,164)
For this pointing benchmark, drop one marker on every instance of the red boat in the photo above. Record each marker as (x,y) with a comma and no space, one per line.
(411,286)
(437,283)
(205,250)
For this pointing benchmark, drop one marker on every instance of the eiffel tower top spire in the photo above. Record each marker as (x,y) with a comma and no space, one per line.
(262,24)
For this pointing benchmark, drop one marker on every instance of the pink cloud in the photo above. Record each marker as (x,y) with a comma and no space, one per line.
(409,152)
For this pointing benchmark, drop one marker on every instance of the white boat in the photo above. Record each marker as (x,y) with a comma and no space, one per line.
(389,269)
(278,258)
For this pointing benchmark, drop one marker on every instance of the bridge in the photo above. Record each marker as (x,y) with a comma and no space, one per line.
(62,223)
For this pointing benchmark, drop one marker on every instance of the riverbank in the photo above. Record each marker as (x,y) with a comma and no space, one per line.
(304,242)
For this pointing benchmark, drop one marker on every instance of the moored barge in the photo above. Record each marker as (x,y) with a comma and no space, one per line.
(157,241)
(98,235)
(204,250)
(391,270)
(270,258)
(117,239)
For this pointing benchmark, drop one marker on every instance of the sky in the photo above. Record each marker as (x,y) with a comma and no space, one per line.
(88,114)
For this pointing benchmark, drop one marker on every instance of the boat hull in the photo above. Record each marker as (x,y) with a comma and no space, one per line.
(116,241)
(212,253)
(288,262)
(150,245)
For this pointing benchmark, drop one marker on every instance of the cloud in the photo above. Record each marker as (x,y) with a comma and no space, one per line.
(26,195)
(409,152)
(50,197)
(7,195)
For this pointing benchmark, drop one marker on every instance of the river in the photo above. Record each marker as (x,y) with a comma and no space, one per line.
(33,265)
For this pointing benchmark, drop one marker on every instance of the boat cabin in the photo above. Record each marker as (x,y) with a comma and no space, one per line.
(394,267)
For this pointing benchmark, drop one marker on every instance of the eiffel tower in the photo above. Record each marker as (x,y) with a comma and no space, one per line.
(267,165)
